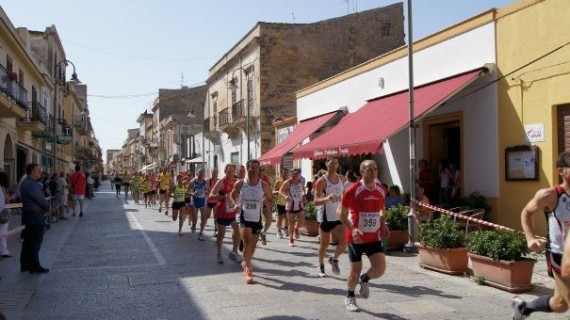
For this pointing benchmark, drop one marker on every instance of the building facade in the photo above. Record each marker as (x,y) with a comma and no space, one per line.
(254,83)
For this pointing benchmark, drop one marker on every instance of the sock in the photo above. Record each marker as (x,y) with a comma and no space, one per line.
(364,277)
(350,294)
(322,267)
(539,304)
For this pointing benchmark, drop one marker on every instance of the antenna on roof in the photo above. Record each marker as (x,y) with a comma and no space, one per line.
(293,16)
(182,80)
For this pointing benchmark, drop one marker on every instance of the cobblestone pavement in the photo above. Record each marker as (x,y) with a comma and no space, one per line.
(122,261)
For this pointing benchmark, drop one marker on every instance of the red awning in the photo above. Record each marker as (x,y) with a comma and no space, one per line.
(301,132)
(365,130)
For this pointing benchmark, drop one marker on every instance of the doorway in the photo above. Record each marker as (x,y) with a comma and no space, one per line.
(443,147)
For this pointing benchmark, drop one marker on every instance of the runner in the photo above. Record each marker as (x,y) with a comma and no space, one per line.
(153,189)
(553,202)
(147,189)
(126,184)
(211,202)
(267,214)
(250,194)
(225,212)
(189,200)
(281,213)
(136,182)
(118,183)
(361,211)
(163,185)
(292,191)
(200,189)
(328,193)
(178,206)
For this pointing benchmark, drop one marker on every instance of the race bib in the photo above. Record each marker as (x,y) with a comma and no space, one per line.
(229,206)
(369,222)
(250,206)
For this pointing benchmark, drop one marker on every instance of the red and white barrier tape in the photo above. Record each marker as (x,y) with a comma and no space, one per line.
(461,216)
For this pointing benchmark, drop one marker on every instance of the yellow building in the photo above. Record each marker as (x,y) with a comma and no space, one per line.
(533,61)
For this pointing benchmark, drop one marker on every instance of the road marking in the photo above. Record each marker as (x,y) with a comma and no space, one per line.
(157,254)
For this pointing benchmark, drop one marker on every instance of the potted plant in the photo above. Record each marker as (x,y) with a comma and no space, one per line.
(397,221)
(311,228)
(442,246)
(500,258)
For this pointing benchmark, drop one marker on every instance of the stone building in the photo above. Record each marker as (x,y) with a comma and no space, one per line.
(177,119)
(254,83)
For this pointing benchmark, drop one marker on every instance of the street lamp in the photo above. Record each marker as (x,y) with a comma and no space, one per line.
(75,79)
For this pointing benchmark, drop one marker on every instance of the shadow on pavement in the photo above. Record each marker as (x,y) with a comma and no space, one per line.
(414,291)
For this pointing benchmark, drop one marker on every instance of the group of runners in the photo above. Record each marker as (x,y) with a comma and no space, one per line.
(243,200)
(353,213)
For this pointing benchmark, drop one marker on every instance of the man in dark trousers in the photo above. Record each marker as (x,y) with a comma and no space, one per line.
(34,209)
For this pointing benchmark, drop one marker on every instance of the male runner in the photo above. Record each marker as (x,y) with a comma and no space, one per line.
(361,211)
(281,213)
(211,203)
(251,193)
(178,191)
(553,202)
(163,185)
(328,193)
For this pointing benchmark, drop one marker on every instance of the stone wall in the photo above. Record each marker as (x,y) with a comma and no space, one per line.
(294,56)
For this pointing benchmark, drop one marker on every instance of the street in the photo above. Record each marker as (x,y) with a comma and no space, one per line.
(122,261)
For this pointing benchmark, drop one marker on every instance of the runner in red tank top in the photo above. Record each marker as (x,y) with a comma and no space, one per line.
(225,212)
(362,212)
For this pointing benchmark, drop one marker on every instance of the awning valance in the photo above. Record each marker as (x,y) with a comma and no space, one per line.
(304,129)
(365,130)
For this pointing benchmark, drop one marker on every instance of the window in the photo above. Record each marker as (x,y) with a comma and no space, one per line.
(234,158)
(250,93)
(385,31)
(234,91)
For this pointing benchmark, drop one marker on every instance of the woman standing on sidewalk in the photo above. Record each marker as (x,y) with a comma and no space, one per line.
(4,215)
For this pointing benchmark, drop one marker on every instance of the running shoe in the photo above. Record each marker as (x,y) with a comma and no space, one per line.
(179,233)
(193,228)
(234,256)
(220,258)
(322,273)
(518,308)
(201,238)
(215,232)
(297,235)
(279,234)
(166,213)
(291,243)
(334,266)
(159,209)
(248,276)
(241,246)
(351,305)
(263,238)
(286,233)
(364,288)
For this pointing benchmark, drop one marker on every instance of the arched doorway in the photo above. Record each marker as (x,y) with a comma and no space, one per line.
(9,158)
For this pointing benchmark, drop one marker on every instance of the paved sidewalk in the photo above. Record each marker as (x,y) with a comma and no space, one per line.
(122,261)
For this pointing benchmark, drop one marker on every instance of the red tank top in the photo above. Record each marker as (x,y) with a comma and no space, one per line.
(225,210)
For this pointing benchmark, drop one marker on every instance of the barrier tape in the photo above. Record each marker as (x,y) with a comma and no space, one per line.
(464,217)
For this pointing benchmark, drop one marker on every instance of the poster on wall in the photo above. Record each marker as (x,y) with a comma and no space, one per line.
(282,133)
(521,163)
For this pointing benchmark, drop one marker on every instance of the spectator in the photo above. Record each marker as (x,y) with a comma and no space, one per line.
(78,184)
(63,194)
(351,178)
(425,178)
(394,197)
(34,208)
(90,186)
(4,215)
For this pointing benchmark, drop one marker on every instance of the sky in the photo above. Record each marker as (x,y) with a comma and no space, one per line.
(125,50)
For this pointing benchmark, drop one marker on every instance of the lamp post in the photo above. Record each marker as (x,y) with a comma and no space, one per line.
(56,109)
(410,246)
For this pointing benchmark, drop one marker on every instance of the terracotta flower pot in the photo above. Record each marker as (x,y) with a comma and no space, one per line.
(397,239)
(511,276)
(311,228)
(448,261)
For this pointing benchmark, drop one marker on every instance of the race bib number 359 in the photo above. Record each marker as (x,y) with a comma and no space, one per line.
(369,222)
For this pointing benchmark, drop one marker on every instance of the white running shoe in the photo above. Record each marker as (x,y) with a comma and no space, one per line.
(351,305)
(518,308)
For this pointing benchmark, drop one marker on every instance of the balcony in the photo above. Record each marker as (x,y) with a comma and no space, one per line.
(226,124)
(36,118)
(80,123)
(13,96)
(239,113)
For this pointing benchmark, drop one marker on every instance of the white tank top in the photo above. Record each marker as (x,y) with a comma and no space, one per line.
(559,221)
(327,211)
(251,201)
(295,202)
